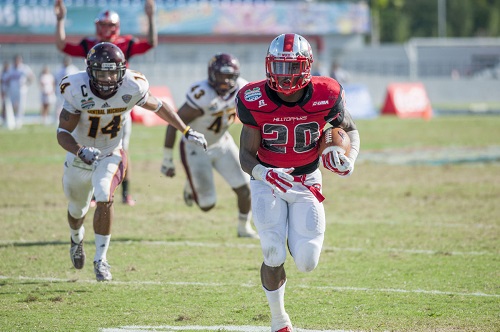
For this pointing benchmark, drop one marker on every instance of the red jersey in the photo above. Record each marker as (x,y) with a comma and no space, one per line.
(290,131)
(128,44)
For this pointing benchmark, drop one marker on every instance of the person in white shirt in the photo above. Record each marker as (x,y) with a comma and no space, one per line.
(19,77)
(67,68)
(91,131)
(47,93)
(4,87)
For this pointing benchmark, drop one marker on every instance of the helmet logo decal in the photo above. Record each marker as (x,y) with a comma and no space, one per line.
(108,66)
(253,95)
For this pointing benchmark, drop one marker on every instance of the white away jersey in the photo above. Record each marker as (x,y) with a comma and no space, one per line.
(218,112)
(100,122)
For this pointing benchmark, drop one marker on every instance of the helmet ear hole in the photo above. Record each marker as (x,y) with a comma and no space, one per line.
(288,63)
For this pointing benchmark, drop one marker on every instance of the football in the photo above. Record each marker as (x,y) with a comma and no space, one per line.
(335,137)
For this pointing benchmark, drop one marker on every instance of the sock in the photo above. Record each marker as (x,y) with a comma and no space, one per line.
(101,247)
(243,219)
(276,300)
(124,188)
(77,234)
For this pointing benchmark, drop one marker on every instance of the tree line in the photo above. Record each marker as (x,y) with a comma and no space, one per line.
(396,21)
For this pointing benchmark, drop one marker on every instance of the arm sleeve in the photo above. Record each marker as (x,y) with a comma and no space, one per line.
(244,114)
(75,50)
(336,114)
(137,46)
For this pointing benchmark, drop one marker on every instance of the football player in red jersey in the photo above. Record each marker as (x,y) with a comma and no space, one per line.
(107,25)
(284,116)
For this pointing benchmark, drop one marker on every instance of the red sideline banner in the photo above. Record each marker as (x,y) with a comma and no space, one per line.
(148,118)
(407,100)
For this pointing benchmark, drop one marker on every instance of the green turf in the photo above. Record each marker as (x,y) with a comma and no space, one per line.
(407,248)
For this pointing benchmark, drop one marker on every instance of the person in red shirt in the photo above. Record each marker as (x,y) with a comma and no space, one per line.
(283,118)
(107,25)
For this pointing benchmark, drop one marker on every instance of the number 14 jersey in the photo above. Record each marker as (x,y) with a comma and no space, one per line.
(100,124)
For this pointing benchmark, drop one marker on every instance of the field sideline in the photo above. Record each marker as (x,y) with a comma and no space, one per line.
(412,241)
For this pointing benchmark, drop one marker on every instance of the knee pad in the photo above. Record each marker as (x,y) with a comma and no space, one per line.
(306,256)
(207,208)
(76,211)
(273,250)
(206,201)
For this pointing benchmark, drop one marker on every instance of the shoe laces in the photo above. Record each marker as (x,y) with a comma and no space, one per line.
(102,266)
(78,253)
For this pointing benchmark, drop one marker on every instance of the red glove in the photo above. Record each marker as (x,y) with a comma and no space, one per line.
(277,178)
(334,160)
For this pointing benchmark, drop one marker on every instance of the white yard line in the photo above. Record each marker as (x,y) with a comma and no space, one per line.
(225,285)
(203,328)
(257,246)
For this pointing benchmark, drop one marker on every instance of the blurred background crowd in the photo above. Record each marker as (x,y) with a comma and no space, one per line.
(452,47)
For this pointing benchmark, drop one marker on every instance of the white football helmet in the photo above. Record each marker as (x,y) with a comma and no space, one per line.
(107,26)
(288,63)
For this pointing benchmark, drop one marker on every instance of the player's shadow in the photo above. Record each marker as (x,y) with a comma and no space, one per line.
(56,243)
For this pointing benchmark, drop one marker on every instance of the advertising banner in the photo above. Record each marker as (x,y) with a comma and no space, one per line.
(191,17)
(407,100)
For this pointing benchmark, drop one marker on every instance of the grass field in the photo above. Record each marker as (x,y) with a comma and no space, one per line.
(409,247)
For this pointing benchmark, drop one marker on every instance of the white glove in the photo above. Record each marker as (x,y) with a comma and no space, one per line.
(196,138)
(277,178)
(167,166)
(336,161)
(88,155)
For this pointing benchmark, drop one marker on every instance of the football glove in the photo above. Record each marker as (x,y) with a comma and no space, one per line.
(167,166)
(88,155)
(334,160)
(277,178)
(196,138)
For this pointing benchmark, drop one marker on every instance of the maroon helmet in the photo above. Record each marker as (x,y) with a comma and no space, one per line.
(223,72)
(106,67)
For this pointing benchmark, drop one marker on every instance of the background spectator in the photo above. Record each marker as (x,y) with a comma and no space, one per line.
(67,68)
(47,93)
(19,77)
(337,72)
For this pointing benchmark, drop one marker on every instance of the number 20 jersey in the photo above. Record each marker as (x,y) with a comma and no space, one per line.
(290,131)
(100,124)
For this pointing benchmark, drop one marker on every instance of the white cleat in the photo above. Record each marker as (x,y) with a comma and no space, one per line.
(245,230)
(102,271)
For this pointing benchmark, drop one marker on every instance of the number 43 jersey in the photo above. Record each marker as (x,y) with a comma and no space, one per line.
(100,123)
(218,112)
(290,131)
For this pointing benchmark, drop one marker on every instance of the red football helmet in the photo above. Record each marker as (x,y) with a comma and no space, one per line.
(288,63)
(223,72)
(106,67)
(107,26)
